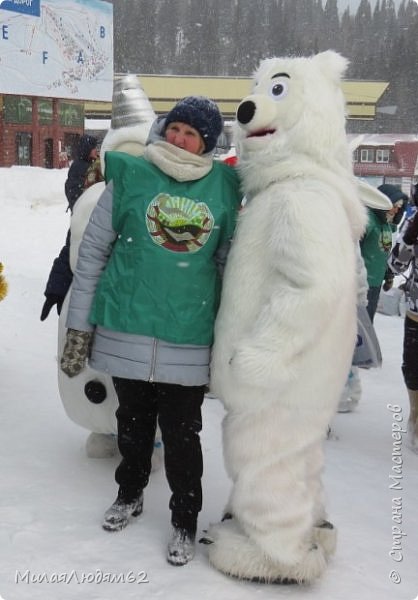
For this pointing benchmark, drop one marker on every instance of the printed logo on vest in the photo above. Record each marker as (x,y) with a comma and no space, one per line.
(179,224)
(385,241)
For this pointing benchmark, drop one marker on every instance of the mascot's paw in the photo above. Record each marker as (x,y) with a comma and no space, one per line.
(260,367)
(101,445)
(235,554)
(325,536)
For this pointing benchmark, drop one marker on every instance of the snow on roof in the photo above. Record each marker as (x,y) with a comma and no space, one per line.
(379,139)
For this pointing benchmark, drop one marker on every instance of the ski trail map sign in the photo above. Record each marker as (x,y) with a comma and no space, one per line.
(57,48)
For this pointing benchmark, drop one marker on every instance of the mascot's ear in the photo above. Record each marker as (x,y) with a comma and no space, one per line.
(332,64)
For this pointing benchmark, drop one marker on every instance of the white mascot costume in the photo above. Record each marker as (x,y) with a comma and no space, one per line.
(286,327)
(89,398)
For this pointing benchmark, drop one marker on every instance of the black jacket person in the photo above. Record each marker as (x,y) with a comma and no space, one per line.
(86,155)
(61,276)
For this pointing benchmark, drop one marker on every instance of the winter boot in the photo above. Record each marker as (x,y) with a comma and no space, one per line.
(180,548)
(117,516)
(413,421)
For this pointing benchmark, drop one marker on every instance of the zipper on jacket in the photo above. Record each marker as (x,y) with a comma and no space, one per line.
(153,360)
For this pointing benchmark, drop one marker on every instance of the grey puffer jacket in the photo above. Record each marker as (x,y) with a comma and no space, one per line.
(121,354)
(127,355)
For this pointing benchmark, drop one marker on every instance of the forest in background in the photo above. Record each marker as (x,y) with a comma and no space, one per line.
(229,37)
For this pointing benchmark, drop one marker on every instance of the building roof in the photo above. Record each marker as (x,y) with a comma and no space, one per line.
(164,91)
(379,139)
(362,97)
(402,163)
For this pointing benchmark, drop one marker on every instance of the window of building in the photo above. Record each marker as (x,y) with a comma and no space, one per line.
(382,155)
(355,155)
(23,149)
(367,155)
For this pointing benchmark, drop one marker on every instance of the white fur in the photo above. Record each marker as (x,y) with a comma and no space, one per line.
(130,139)
(286,327)
(236,554)
(326,537)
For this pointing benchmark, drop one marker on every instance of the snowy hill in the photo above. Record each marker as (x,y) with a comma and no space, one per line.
(53,497)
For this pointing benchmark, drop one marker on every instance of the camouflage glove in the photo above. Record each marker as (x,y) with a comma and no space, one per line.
(76,351)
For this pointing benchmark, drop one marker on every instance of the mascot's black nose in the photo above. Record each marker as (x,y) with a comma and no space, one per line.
(246,111)
(95,391)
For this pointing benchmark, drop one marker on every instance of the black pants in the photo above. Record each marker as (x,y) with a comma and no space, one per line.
(178,409)
(410,354)
(373,294)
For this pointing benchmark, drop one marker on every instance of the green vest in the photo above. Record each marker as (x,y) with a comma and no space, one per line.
(375,247)
(161,279)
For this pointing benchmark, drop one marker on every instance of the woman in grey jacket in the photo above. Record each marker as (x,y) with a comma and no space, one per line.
(147,283)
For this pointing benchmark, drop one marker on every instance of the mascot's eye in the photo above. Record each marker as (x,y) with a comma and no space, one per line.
(279,90)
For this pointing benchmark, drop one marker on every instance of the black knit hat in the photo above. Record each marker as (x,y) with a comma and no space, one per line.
(85,145)
(395,195)
(393,192)
(200,113)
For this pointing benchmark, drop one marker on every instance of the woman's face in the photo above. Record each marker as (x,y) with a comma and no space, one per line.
(390,215)
(184,136)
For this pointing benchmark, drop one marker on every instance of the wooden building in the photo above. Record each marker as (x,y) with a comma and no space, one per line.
(38,131)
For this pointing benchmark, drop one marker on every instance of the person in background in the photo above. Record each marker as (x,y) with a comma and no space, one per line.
(84,171)
(377,243)
(144,299)
(411,207)
(93,174)
(59,281)
(86,154)
(372,271)
(403,258)
(351,394)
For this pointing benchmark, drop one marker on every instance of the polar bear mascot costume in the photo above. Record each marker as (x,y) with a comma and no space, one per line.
(286,327)
(89,398)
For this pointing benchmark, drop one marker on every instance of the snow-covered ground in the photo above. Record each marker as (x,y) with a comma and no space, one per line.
(53,497)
